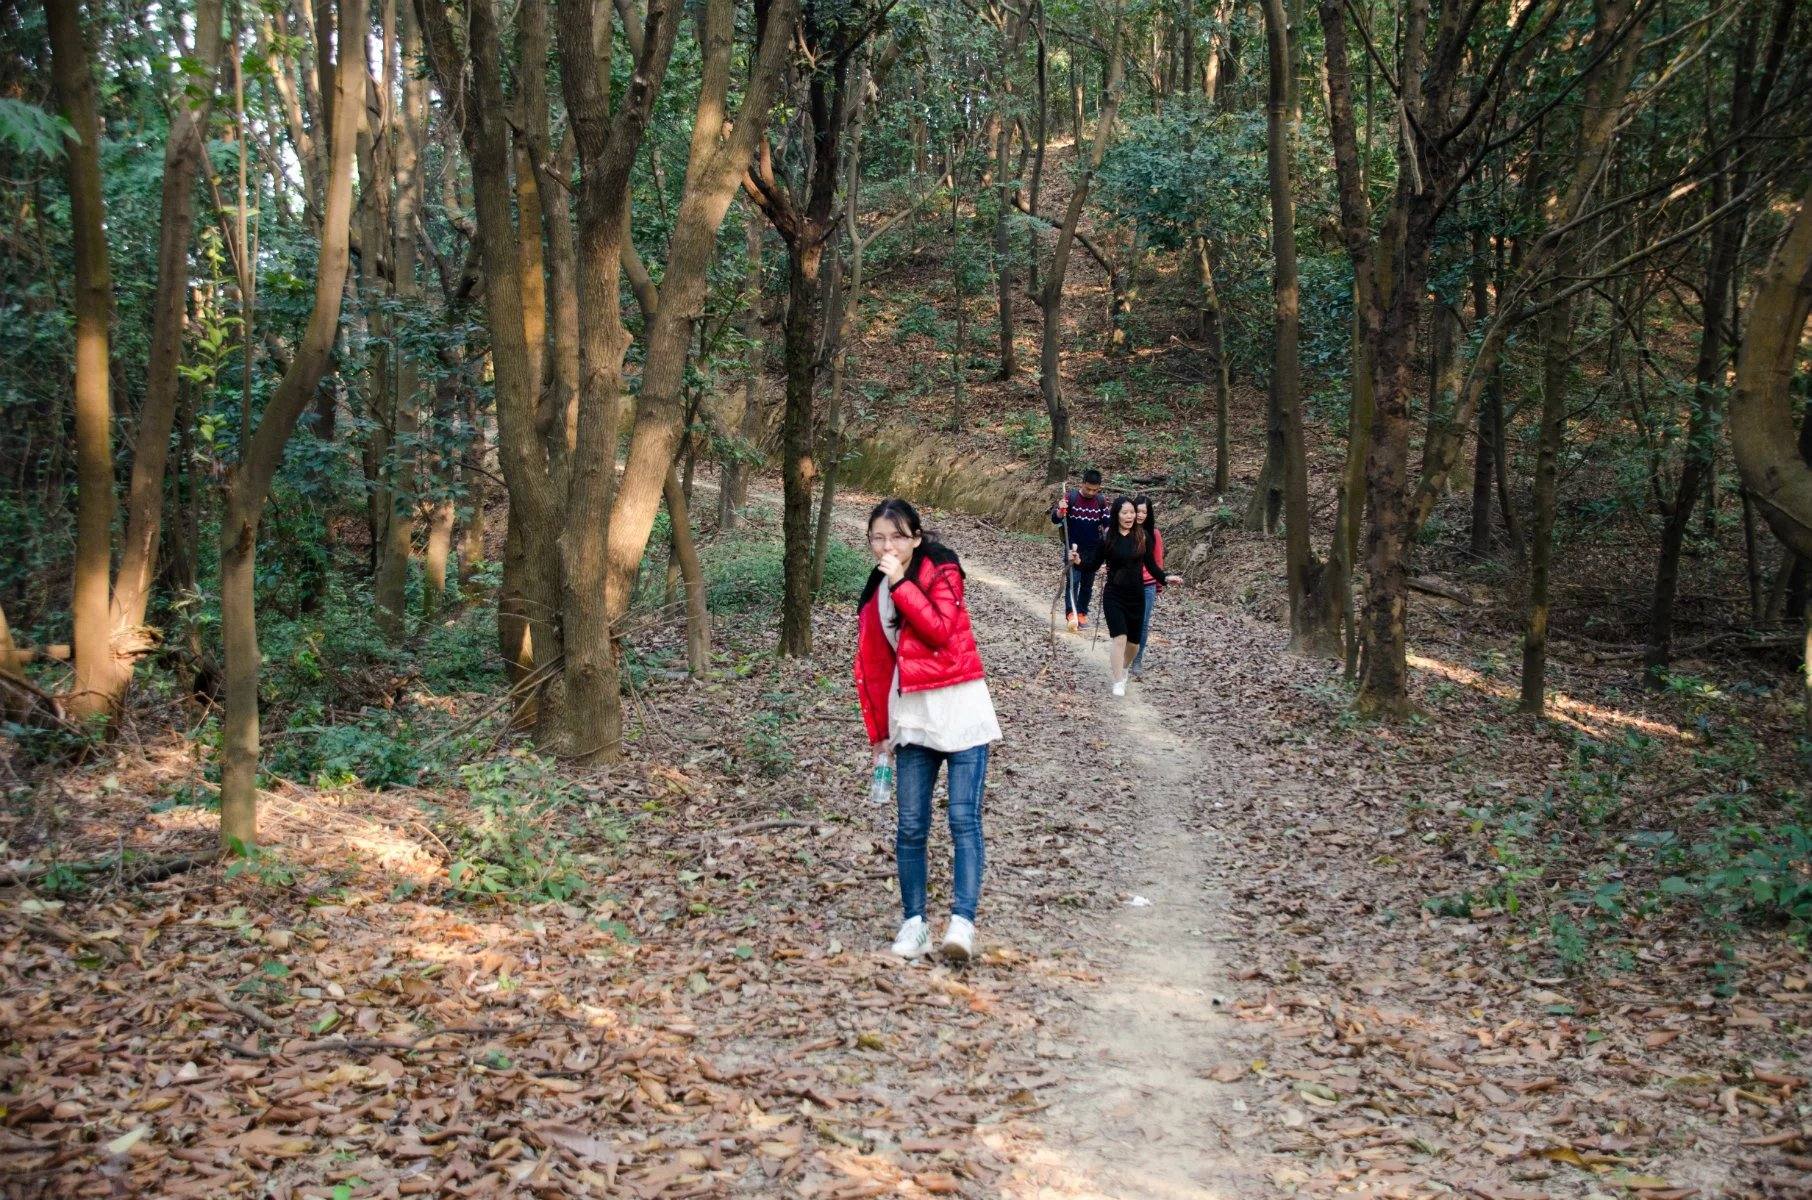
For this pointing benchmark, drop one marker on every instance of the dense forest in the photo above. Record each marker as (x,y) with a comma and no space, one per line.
(436,436)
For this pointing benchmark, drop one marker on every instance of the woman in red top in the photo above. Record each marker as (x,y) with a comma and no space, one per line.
(924,700)
(1147,516)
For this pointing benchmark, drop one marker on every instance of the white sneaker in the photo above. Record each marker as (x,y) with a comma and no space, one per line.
(914,940)
(959,940)
(1119,687)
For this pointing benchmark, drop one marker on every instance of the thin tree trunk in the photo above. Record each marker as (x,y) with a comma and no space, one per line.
(151,444)
(1003,250)
(1123,292)
(959,353)
(723,144)
(1214,338)
(1483,459)
(1314,618)
(1752,562)
(1050,299)
(798,467)
(733,493)
(100,679)
(1556,341)
(698,618)
(250,481)
(472,484)
(528,610)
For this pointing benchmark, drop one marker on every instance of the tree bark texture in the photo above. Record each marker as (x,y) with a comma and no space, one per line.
(262,453)
(100,678)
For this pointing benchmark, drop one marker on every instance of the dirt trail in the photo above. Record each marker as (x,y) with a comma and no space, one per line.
(1138,1115)
(1141,1122)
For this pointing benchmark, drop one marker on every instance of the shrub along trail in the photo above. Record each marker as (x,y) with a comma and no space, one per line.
(681,989)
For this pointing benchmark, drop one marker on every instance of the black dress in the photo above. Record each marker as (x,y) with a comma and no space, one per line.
(1123,594)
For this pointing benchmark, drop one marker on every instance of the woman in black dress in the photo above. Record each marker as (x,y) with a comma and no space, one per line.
(1127,552)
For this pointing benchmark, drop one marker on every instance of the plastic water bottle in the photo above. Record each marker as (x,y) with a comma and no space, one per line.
(880,789)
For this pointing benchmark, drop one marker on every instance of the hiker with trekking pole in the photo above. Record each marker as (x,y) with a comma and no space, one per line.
(1082,512)
(925,703)
(1127,551)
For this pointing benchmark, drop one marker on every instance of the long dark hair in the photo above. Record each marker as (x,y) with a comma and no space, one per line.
(1113,522)
(1150,523)
(906,517)
(898,511)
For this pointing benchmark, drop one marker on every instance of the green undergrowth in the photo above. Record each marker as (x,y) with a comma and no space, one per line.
(1628,840)
(747,573)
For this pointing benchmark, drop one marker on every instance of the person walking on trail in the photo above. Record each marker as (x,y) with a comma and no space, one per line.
(1126,551)
(925,701)
(1148,521)
(1082,512)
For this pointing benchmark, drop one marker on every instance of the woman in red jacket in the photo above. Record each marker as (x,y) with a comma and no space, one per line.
(924,700)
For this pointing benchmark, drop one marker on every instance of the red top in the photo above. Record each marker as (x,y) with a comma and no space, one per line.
(1157,556)
(937,644)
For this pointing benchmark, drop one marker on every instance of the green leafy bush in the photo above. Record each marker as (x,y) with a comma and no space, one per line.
(740,576)
(376,751)
(513,843)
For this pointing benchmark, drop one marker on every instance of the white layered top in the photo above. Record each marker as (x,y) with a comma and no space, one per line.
(945,719)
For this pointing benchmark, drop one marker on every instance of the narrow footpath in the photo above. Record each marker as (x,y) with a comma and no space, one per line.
(1139,1111)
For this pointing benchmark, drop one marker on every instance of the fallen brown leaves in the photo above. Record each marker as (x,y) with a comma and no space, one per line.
(713,1016)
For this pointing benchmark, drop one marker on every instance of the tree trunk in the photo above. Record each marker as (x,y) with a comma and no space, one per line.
(1384,671)
(959,353)
(733,493)
(1767,447)
(698,618)
(100,677)
(1003,253)
(1314,617)
(528,610)
(1555,344)
(798,468)
(607,144)
(472,484)
(722,146)
(151,444)
(408,135)
(1123,292)
(249,482)
(1050,298)
(1214,338)
(1483,459)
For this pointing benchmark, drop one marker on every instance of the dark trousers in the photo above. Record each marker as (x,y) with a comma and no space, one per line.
(1081,587)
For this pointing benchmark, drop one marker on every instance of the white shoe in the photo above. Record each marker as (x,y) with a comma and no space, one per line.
(914,940)
(1119,687)
(959,940)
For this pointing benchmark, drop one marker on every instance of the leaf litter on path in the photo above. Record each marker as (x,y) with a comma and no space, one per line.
(715,1015)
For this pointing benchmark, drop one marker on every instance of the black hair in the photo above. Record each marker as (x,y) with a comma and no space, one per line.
(1151,512)
(1091,476)
(905,517)
(1113,522)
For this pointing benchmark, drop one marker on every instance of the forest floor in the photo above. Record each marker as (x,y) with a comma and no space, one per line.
(1233,944)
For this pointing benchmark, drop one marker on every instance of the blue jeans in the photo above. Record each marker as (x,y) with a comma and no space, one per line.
(1151,600)
(1081,585)
(915,770)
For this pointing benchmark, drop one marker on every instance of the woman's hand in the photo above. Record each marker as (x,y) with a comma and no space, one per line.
(892,566)
(1075,558)
(1174,580)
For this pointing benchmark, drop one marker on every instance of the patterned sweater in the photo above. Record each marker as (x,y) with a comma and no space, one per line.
(1087,521)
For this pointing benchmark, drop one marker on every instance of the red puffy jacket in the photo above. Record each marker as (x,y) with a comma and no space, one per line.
(937,643)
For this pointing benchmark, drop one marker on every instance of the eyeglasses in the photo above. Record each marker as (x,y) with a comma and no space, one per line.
(882,539)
